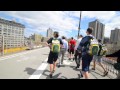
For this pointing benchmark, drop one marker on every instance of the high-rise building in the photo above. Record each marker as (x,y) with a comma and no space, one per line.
(13,33)
(98,29)
(115,36)
(49,33)
(36,38)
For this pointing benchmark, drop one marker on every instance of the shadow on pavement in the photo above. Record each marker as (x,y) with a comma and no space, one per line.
(63,77)
(56,76)
(94,72)
(29,71)
(75,68)
(47,72)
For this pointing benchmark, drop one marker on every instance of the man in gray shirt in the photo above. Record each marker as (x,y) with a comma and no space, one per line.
(63,50)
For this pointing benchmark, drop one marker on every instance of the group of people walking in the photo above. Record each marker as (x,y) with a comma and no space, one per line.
(83,50)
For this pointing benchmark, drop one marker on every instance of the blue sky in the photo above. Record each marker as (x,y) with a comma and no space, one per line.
(66,22)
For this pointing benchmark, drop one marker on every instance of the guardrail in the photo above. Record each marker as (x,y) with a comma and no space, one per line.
(108,64)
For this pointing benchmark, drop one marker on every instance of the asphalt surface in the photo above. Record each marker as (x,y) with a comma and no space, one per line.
(33,64)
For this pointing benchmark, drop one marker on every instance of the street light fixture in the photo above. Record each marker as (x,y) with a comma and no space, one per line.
(79,23)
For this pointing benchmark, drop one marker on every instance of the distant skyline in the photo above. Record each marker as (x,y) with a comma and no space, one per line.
(66,22)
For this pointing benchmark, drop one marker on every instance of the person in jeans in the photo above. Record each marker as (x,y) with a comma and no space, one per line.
(86,57)
(52,58)
(63,50)
(98,58)
(78,54)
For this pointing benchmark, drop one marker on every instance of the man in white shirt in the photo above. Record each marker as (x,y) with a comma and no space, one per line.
(63,50)
(78,54)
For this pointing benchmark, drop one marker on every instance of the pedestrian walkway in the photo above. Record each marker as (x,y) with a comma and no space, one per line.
(33,65)
(68,71)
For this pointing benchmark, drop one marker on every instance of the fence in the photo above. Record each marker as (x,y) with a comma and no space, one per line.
(108,64)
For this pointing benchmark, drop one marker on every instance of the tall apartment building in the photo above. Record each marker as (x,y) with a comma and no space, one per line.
(49,33)
(13,33)
(36,38)
(115,36)
(98,29)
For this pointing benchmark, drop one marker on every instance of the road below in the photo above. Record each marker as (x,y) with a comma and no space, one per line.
(33,64)
(22,65)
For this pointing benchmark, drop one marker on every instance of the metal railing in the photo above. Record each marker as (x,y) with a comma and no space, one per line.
(108,64)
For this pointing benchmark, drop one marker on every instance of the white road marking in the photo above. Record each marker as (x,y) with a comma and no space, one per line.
(38,73)
(18,54)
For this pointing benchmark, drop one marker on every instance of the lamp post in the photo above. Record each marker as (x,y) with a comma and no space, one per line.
(79,23)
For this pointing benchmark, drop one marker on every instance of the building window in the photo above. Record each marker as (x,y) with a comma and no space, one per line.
(12,31)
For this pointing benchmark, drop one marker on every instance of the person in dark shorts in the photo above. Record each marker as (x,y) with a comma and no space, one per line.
(72,44)
(86,57)
(77,54)
(54,44)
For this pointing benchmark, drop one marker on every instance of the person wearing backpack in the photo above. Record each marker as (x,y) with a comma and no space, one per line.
(98,58)
(63,50)
(54,43)
(78,54)
(88,49)
(72,44)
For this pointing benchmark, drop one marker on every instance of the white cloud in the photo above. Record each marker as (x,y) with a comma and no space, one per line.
(56,20)
(114,23)
(102,15)
(64,21)
(109,18)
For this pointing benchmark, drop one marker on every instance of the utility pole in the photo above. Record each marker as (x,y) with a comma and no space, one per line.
(79,23)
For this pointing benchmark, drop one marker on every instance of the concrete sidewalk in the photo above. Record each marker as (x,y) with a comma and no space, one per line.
(68,71)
